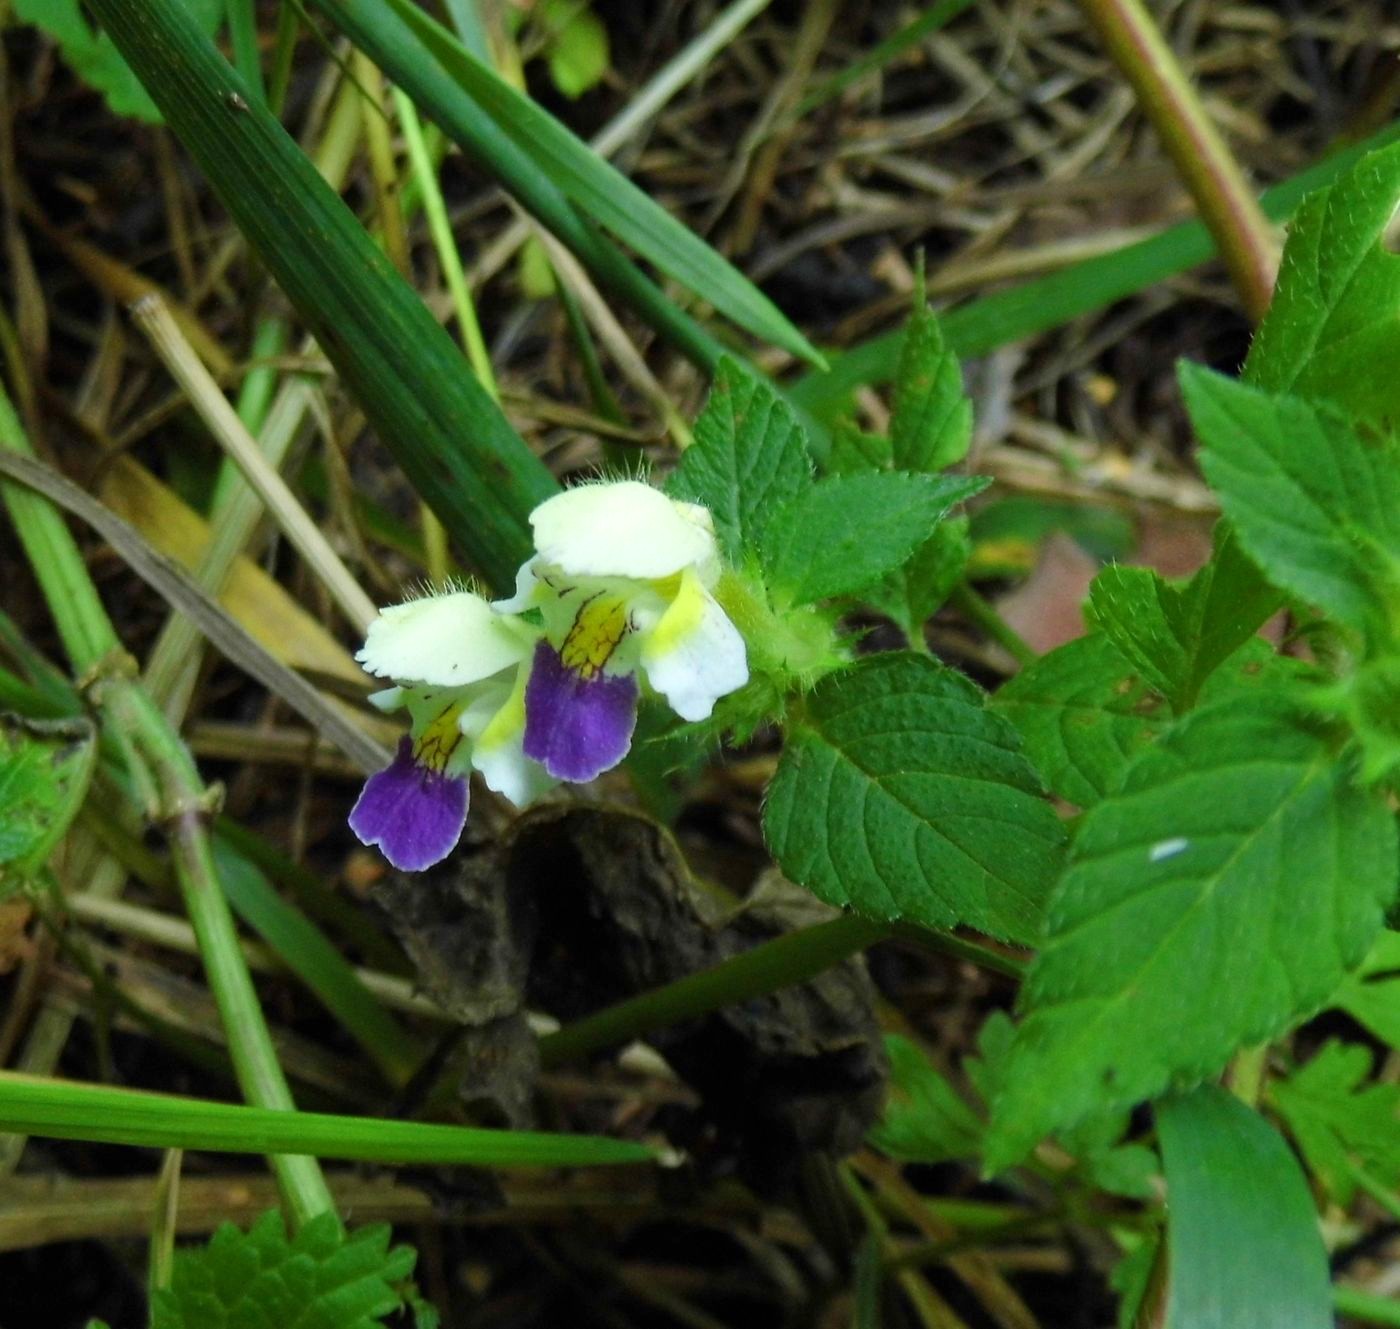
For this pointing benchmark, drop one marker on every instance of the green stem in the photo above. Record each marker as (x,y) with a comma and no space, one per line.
(1208,169)
(179,804)
(982,614)
(783,962)
(1367,1306)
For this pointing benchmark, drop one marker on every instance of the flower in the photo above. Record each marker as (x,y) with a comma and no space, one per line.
(460,671)
(621,579)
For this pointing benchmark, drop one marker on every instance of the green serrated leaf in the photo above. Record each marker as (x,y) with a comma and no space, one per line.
(1218,896)
(322,1278)
(1083,713)
(1244,1249)
(45,767)
(94,58)
(748,459)
(852,451)
(1371,995)
(914,594)
(900,795)
(1333,330)
(926,1120)
(847,532)
(1315,504)
(1339,1124)
(578,45)
(932,423)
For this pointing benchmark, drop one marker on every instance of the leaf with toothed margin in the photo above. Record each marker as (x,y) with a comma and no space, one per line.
(748,459)
(900,795)
(1220,895)
(1333,329)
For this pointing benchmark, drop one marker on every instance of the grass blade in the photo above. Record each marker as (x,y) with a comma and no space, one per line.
(607,195)
(451,439)
(63,1110)
(1246,1252)
(396,49)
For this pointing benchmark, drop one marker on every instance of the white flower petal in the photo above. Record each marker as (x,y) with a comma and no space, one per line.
(443,641)
(386,699)
(622,529)
(694,655)
(527,586)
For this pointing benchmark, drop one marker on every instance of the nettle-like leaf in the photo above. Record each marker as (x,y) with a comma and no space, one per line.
(847,532)
(1177,636)
(900,795)
(322,1278)
(914,594)
(1340,1121)
(1333,330)
(748,459)
(94,57)
(1314,503)
(1371,994)
(1218,896)
(925,1120)
(1083,713)
(853,451)
(931,428)
(45,767)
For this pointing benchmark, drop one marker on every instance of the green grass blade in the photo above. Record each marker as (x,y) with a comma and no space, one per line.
(451,439)
(397,50)
(304,949)
(63,1110)
(1047,302)
(607,195)
(1246,1251)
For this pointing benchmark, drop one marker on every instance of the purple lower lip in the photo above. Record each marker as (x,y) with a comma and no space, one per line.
(577,727)
(415,815)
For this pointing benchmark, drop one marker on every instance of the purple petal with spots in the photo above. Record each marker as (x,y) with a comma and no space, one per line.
(413,814)
(576,727)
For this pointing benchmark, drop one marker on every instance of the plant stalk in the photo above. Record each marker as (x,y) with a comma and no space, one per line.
(1226,202)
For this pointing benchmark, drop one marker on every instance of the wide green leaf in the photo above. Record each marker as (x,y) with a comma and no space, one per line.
(1219,895)
(1083,713)
(1316,505)
(1342,1119)
(321,1278)
(1333,330)
(443,428)
(1244,1247)
(45,767)
(900,795)
(847,532)
(607,195)
(63,1110)
(748,459)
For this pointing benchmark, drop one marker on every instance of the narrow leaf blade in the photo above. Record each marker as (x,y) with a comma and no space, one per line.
(1245,1249)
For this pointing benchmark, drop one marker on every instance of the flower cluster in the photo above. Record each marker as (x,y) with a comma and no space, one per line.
(544,687)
